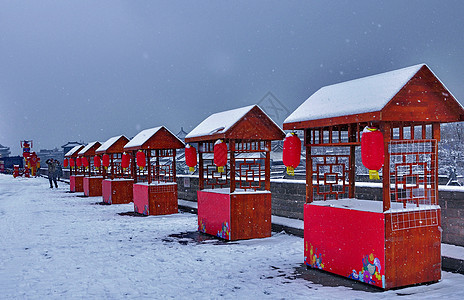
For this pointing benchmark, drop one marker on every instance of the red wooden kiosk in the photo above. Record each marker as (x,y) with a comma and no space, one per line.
(92,180)
(235,204)
(390,243)
(75,173)
(154,169)
(117,179)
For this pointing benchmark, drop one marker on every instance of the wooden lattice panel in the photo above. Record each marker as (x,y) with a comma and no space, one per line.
(413,179)
(250,173)
(331,176)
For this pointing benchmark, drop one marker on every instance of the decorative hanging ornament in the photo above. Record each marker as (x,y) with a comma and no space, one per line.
(190,157)
(220,155)
(372,151)
(106,161)
(71,163)
(79,162)
(291,152)
(97,162)
(85,162)
(65,163)
(141,160)
(125,160)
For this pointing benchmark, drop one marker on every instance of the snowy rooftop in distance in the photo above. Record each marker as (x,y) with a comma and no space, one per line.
(108,143)
(219,122)
(73,150)
(142,137)
(368,94)
(86,148)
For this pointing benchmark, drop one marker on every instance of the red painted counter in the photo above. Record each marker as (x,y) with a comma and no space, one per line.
(76,183)
(117,191)
(92,186)
(155,199)
(236,216)
(365,244)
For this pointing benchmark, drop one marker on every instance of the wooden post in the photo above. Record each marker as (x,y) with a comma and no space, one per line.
(174,165)
(148,164)
(386,166)
(309,167)
(352,171)
(134,166)
(267,167)
(200,166)
(112,166)
(232,165)
(156,174)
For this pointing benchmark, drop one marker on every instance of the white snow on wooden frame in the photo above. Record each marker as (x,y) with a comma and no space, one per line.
(73,150)
(110,142)
(145,135)
(86,148)
(219,122)
(363,95)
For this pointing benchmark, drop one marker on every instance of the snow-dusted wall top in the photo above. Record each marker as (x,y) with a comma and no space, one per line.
(142,137)
(108,143)
(73,150)
(86,148)
(219,122)
(368,94)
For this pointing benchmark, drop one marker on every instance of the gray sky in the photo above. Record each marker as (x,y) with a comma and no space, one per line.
(90,70)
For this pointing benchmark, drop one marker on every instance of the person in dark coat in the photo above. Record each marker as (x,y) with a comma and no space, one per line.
(52,172)
(59,170)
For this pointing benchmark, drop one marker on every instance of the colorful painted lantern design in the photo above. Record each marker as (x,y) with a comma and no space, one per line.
(291,152)
(220,155)
(190,157)
(79,162)
(106,161)
(85,162)
(141,160)
(97,162)
(125,160)
(65,163)
(372,151)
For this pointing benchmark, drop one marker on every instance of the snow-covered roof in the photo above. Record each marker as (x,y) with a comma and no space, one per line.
(142,137)
(364,95)
(108,143)
(73,150)
(219,122)
(86,148)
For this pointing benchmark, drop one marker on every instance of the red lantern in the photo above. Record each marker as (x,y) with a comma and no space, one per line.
(141,160)
(65,163)
(106,161)
(125,160)
(78,162)
(97,161)
(71,163)
(85,162)
(291,152)
(190,157)
(220,155)
(372,151)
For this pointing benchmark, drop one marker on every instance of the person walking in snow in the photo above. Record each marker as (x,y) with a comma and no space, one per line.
(59,170)
(52,172)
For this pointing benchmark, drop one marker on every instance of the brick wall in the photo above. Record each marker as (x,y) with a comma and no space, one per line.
(288,197)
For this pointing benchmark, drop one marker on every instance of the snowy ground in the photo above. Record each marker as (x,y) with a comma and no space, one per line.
(55,244)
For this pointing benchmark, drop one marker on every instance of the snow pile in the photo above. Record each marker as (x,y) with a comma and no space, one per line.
(58,245)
